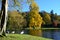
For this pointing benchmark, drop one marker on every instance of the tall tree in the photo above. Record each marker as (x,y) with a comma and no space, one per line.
(35,20)
(52,16)
(4,15)
(53,19)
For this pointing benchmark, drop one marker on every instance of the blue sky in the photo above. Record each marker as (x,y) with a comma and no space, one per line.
(49,5)
(46,5)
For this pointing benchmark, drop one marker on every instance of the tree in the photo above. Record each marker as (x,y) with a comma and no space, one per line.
(52,15)
(46,18)
(16,21)
(54,19)
(4,15)
(56,16)
(35,20)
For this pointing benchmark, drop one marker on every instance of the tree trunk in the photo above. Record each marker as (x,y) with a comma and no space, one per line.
(4,16)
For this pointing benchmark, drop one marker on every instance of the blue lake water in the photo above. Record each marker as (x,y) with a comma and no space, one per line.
(53,34)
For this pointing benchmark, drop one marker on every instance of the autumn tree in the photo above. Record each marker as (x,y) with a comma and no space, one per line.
(35,20)
(4,15)
(46,18)
(16,21)
(54,19)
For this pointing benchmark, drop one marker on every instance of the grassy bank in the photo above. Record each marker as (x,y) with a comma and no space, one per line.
(22,37)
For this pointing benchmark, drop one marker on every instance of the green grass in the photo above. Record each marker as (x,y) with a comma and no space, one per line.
(22,37)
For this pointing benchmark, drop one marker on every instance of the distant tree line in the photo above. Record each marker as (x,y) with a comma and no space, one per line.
(19,20)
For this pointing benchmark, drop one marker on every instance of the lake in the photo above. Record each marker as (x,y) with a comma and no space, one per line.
(50,33)
(53,34)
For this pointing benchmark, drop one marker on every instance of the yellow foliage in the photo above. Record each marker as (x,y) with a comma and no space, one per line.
(36,32)
(34,7)
(35,20)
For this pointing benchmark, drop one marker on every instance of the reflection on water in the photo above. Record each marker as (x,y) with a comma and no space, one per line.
(53,34)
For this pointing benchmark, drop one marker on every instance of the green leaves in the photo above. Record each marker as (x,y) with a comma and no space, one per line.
(16,21)
(46,18)
(16,3)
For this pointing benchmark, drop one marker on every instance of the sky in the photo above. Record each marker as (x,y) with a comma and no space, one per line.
(48,5)
(44,5)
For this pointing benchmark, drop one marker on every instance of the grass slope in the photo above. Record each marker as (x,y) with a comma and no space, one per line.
(22,37)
